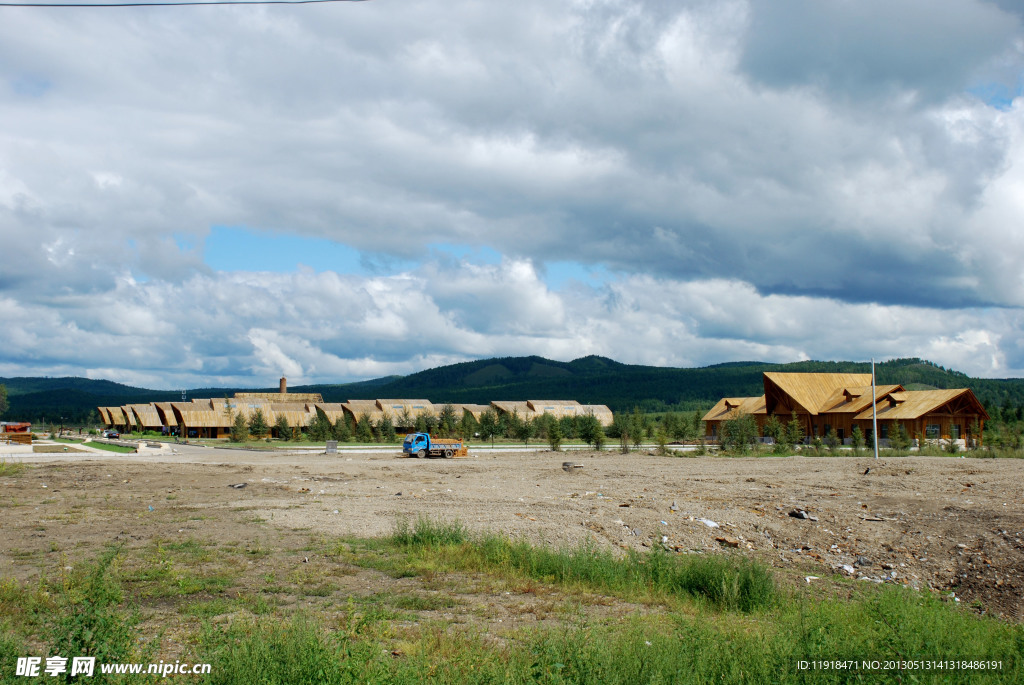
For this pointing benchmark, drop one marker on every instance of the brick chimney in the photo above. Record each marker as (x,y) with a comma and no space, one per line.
(284,385)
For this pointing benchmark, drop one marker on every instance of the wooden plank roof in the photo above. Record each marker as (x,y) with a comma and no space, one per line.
(914,404)
(854,400)
(556,408)
(145,415)
(812,390)
(276,397)
(475,409)
(732,407)
(332,411)
(603,413)
(359,407)
(166,414)
(298,414)
(201,414)
(523,409)
(413,407)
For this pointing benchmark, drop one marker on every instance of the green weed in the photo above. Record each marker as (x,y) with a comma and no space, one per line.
(11,468)
(428,533)
(727,583)
(89,620)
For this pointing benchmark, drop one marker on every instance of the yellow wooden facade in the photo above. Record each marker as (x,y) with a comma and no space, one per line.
(823,402)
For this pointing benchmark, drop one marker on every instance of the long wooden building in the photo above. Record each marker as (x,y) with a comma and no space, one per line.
(824,402)
(212,418)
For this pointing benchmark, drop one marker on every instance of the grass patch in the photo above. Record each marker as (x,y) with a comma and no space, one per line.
(386,638)
(54,449)
(174,569)
(412,602)
(11,468)
(728,583)
(90,619)
(210,608)
(380,638)
(112,448)
(360,648)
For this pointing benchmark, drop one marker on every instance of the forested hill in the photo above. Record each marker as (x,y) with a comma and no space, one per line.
(597,380)
(590,380)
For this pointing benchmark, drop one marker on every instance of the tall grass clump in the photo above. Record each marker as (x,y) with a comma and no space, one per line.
(427,533)
(11,646)
(11,468)
(89,620)
(727,583)
(295,652)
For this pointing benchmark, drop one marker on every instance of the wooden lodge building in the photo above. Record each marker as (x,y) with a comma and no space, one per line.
(213,418)
(840,401)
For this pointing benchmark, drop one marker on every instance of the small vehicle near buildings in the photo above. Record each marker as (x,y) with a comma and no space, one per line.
(111,434)
(422,445)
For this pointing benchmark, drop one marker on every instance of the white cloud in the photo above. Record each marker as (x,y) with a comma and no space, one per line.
(239,328)
(764,180)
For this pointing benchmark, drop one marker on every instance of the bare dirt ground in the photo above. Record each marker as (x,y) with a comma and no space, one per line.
(949,524)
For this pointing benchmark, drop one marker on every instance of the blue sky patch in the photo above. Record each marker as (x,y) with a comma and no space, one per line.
(31,86)
(997,95)
(557,274)
(234,248)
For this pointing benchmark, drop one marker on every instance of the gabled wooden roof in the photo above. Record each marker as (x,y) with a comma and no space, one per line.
(280,396)
(129,417)
(359,407)
(299,414)
(332,411)
(913,404)
(522,408)
(201,414)
(855,400)
(475,409)
(413,407)
(145,415)
(600,411)
(811,390)
(731,407)
(556,408)
(166,414)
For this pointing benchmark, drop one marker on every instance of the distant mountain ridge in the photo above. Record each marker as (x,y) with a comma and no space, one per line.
(590,380)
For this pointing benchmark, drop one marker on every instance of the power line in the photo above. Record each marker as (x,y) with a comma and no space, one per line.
(171,4)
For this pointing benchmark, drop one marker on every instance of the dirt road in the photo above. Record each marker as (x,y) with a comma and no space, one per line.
(950,524)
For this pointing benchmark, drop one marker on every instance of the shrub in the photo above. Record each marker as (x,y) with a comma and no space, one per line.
(739,433)
(283,428)
(90,621)
(258,424)
(239,429)
(554,436)
(428,533)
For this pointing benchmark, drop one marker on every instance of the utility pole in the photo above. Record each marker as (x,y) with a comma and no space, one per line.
(874,409)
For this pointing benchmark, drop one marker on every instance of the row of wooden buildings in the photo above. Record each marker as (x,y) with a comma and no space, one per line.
(213,418)
(824,402)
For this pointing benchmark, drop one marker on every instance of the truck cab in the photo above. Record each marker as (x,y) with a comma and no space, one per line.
(417,444)
(423,445)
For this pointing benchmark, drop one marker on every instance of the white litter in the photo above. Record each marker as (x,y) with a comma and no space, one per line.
(709,523)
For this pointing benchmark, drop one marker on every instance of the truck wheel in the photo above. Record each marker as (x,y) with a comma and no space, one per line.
(448,454)
(421,454)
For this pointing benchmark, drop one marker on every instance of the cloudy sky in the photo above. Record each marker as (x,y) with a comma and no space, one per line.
(199,196)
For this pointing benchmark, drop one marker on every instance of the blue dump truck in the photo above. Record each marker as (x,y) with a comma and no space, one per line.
(422,445)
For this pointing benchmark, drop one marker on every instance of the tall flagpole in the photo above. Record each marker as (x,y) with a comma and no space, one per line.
(874,409)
